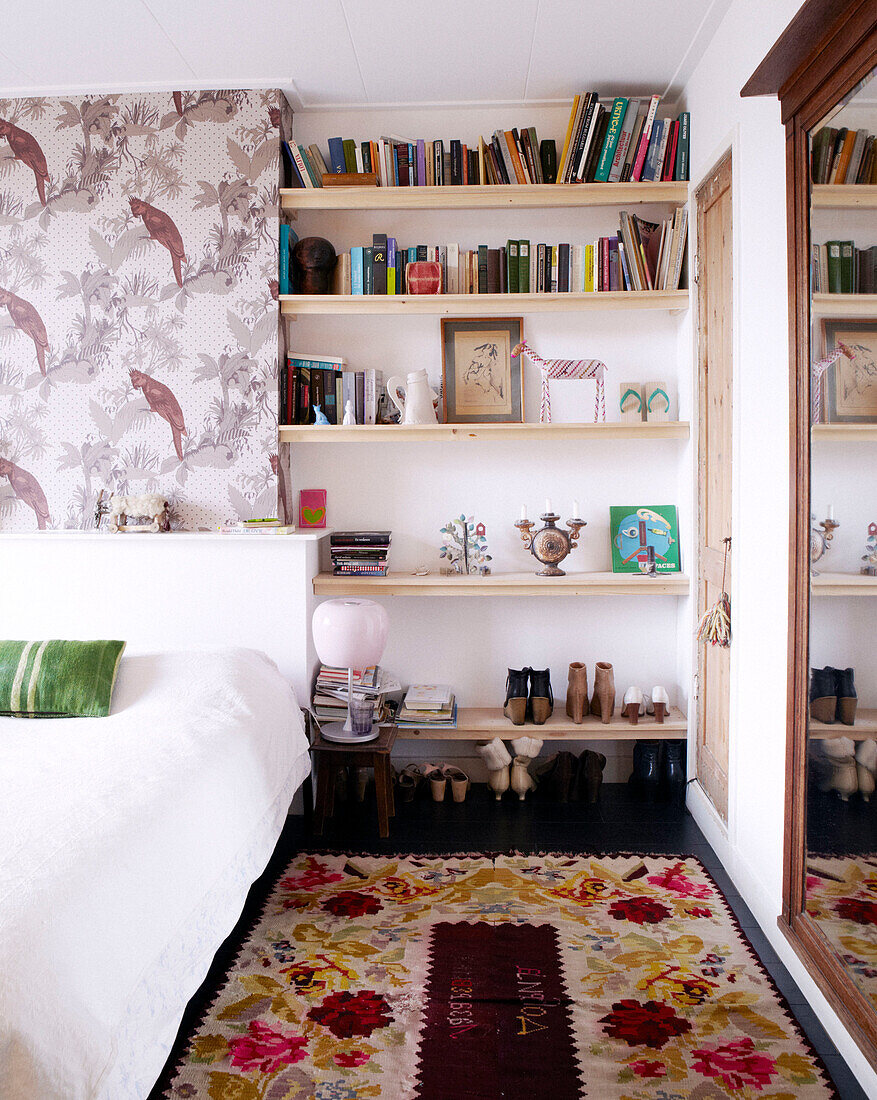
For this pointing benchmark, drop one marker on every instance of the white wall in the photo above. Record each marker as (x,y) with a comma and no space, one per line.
(414,489)
(752,847)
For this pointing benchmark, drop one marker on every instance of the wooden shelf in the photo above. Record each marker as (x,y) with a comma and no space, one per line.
(864,729)
(504,584)
(484,723)
(845,305)
(484,305)
(827,196)
(484,197)
(433,433)
(843,584)
(848,433)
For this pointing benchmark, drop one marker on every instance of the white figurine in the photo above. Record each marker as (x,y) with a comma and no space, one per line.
(150,506)
(349,415)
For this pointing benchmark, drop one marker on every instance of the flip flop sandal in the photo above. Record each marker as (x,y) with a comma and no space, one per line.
(657,402)
(631,403)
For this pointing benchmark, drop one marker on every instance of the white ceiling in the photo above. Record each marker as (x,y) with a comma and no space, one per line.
(362,53)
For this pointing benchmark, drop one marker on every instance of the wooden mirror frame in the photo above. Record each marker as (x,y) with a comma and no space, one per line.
(825,51)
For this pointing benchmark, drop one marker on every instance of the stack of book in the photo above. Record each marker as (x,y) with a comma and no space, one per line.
(642,255)
(838,267)
(428,706)
(330,692)
(258,526)
(359,553)
(843,156)
(325,380)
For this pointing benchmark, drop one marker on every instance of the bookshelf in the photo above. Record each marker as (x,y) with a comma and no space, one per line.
(827,196)
(536,196)
(484,723)
(845,305)
(483,305)
(435,433)
(843,584)
(845,433)
(505,584)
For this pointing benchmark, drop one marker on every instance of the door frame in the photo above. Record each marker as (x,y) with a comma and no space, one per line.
(720,833)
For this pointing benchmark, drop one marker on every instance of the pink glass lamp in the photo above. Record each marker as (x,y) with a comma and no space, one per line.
(349,634)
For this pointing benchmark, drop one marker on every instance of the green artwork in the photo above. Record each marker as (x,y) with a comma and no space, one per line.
(642,534)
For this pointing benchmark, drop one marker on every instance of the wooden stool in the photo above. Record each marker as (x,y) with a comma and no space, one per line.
(331,757)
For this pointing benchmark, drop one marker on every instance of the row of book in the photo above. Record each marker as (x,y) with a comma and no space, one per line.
(838,267)
(428,706)
(617,143)
(642,255)
(623,143)
(360,553)
(843,156)
(325,380)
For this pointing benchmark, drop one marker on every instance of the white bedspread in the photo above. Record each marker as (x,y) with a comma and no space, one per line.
(127,845)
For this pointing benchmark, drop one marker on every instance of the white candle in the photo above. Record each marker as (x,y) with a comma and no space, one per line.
(547,504)
(523,511)
(575,509)
(831,511)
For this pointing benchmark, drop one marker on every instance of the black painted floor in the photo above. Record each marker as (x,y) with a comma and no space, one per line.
(619,823)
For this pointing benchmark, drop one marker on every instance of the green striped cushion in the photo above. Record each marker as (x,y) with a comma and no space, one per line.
(58,679)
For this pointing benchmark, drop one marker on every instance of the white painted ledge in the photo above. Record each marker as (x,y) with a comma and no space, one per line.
(168,536)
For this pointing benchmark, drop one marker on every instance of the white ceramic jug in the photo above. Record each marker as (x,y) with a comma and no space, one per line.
(414,400)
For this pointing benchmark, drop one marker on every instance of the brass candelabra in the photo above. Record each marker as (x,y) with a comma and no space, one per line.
(550,544)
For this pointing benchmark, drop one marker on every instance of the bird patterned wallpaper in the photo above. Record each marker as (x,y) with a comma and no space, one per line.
(138,312)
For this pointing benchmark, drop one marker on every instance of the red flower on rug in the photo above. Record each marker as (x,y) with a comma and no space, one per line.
(858,910)
(354,1058)
(352,903)
(265,1049)
(314,874)
(737,1064)
(651,1024)
(348,1014)
(643,1068)
(639,910)
(673,878)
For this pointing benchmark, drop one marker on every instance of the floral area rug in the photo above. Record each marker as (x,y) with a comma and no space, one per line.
(842,899)
(617,978)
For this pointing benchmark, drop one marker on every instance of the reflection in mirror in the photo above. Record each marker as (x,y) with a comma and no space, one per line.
(841,865)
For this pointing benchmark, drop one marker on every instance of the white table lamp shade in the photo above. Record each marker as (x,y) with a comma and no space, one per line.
(350,633)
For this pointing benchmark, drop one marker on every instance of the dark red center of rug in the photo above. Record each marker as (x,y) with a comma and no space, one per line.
(497,1016)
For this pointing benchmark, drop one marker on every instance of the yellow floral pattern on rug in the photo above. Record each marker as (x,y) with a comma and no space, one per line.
(667,1001)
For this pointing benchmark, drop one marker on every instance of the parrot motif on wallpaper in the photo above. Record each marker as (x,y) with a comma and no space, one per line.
(161,228)
(27,489)
(25,317)
(162,401)
(26,148)
(282,493)
(178,103)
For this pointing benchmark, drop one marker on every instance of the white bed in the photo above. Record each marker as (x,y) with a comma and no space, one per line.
(127,847)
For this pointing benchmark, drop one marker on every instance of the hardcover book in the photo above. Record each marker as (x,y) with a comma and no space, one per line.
(642,536)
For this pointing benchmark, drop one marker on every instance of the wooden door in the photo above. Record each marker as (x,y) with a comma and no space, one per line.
(715,331)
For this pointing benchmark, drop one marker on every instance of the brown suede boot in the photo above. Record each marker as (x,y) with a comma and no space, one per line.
(577,692)
(603,700)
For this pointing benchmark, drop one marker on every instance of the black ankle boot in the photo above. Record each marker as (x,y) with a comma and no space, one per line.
(645,775)
(846,695)
(673,771)
(823,694)
(541,701)
(590,777)
(516,686)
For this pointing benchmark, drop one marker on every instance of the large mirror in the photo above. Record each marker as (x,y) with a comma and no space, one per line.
(840,866)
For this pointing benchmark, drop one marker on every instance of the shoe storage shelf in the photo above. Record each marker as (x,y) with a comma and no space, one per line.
(843,584)
(503,584)
(846,433)
(485,723)
(483,197)
(865,728)
(439,433)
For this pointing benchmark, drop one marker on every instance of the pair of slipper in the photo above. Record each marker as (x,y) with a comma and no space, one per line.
(438,776)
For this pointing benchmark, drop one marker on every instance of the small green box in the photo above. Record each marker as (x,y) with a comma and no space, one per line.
(634,530)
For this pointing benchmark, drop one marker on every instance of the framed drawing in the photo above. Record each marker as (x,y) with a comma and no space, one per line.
(851,382)
(481,383)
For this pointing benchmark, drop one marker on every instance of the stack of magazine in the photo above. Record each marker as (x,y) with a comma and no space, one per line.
(330,691)
(359,553)
(428,706)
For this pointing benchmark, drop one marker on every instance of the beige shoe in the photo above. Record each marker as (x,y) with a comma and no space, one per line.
(496,756)
(437,781)
(459,781)
(521,780)
(577,692)
(603,699)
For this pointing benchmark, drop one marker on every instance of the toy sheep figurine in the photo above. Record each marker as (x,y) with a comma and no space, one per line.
(150,506)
